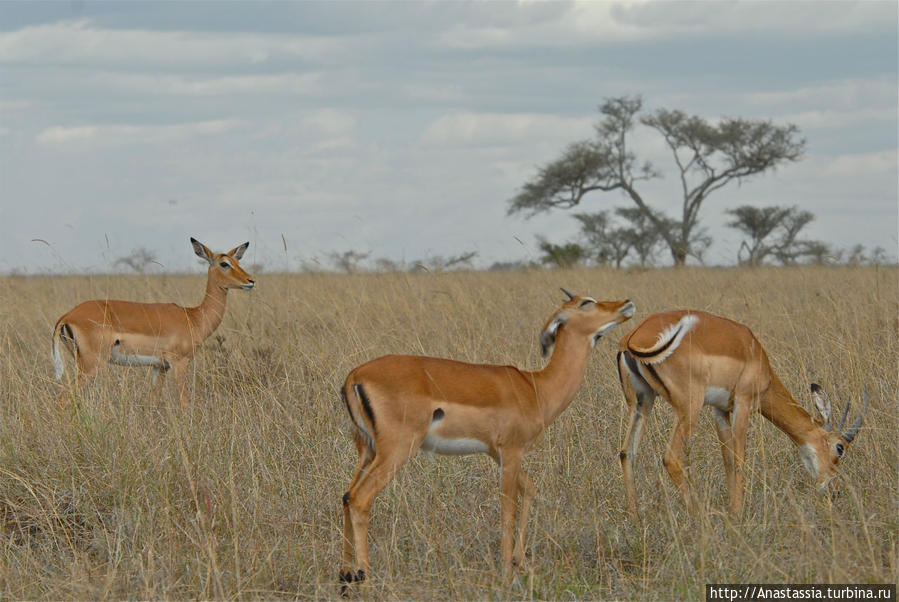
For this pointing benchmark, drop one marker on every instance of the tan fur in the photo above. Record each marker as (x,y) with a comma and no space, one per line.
(721,354)
(165,331)
(501,407)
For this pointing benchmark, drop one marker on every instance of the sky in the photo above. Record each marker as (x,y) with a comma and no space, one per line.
(402,129)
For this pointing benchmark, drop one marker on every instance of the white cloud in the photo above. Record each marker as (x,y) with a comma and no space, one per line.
(81,41)
(582,22)
(845,94)
(587,22)
(163,83)
(14,105)
(330,121)
(441,93)
(864,164)
(465,128)
(123,134)
(839,119)
(798,18)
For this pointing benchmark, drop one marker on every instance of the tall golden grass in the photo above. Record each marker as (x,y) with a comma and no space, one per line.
(123,495)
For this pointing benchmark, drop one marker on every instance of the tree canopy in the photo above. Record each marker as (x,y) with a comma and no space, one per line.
(707,155)
(773,232)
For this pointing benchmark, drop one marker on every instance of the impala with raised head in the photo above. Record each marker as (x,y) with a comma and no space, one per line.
(400,403)
(163,336)
(694,359)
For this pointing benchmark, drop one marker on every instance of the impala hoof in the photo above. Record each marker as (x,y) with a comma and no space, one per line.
(349,577)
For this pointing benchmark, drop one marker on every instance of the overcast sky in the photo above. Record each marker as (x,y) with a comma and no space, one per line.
(402,129)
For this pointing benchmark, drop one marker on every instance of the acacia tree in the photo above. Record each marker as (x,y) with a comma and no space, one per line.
(138,260)
(561,256)
(772,231)
(642,234)
(606,243)
(348,261)
(819,252)
(438,263)
(707,157)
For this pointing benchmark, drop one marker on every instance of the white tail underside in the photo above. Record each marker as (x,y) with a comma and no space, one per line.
(678,332)
(58,364)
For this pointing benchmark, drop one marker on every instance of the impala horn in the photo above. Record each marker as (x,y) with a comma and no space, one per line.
(845,414)
(570,296)
(853,430)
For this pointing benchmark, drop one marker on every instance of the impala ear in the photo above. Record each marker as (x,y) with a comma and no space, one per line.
(202,250)
(237,252)
(823,406)
(548,336)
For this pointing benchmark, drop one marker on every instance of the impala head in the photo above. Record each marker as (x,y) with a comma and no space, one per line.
(224,267)
(835,442)
(586,317)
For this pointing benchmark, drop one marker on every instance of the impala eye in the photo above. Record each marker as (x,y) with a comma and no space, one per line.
(840,450)
(225,264)
(585,302)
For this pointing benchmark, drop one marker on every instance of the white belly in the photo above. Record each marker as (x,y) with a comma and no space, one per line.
(718,398)
(455,447)
(121,359)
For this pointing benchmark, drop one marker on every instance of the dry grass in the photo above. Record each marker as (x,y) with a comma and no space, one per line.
(125,496)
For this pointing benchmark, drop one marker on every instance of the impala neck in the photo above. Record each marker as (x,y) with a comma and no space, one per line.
(558,382)
(207,316)
(785,413)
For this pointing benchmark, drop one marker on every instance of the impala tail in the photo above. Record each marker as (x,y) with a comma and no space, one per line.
(667,341)
(60,331)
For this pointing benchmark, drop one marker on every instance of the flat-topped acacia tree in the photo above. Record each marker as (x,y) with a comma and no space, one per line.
(708,156)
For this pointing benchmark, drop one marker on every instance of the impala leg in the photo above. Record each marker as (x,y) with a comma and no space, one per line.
(527,490)
(359,498)
(365,458)
(511,469)
(743,408)
(158,381)
(179,375)
(675,455)
(726,438)
(639,396)
(87,366)
(627,455)
(640,406)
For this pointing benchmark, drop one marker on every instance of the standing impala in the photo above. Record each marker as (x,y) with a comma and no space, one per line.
(692,359)
(400,403)
(162,335)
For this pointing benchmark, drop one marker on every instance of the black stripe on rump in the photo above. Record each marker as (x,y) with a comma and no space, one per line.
(366,404)
(657,351)
(655,375)
(633,367)
(618,365)
(66,332)
(346,403)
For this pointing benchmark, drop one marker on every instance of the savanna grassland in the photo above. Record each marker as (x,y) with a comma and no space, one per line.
(124,495)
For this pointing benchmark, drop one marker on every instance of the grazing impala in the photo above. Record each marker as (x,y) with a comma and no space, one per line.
(400,403)
(692,359)
(161,335)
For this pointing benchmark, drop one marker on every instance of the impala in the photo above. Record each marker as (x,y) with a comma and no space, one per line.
(400,403)
(161,335)
(692,359)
